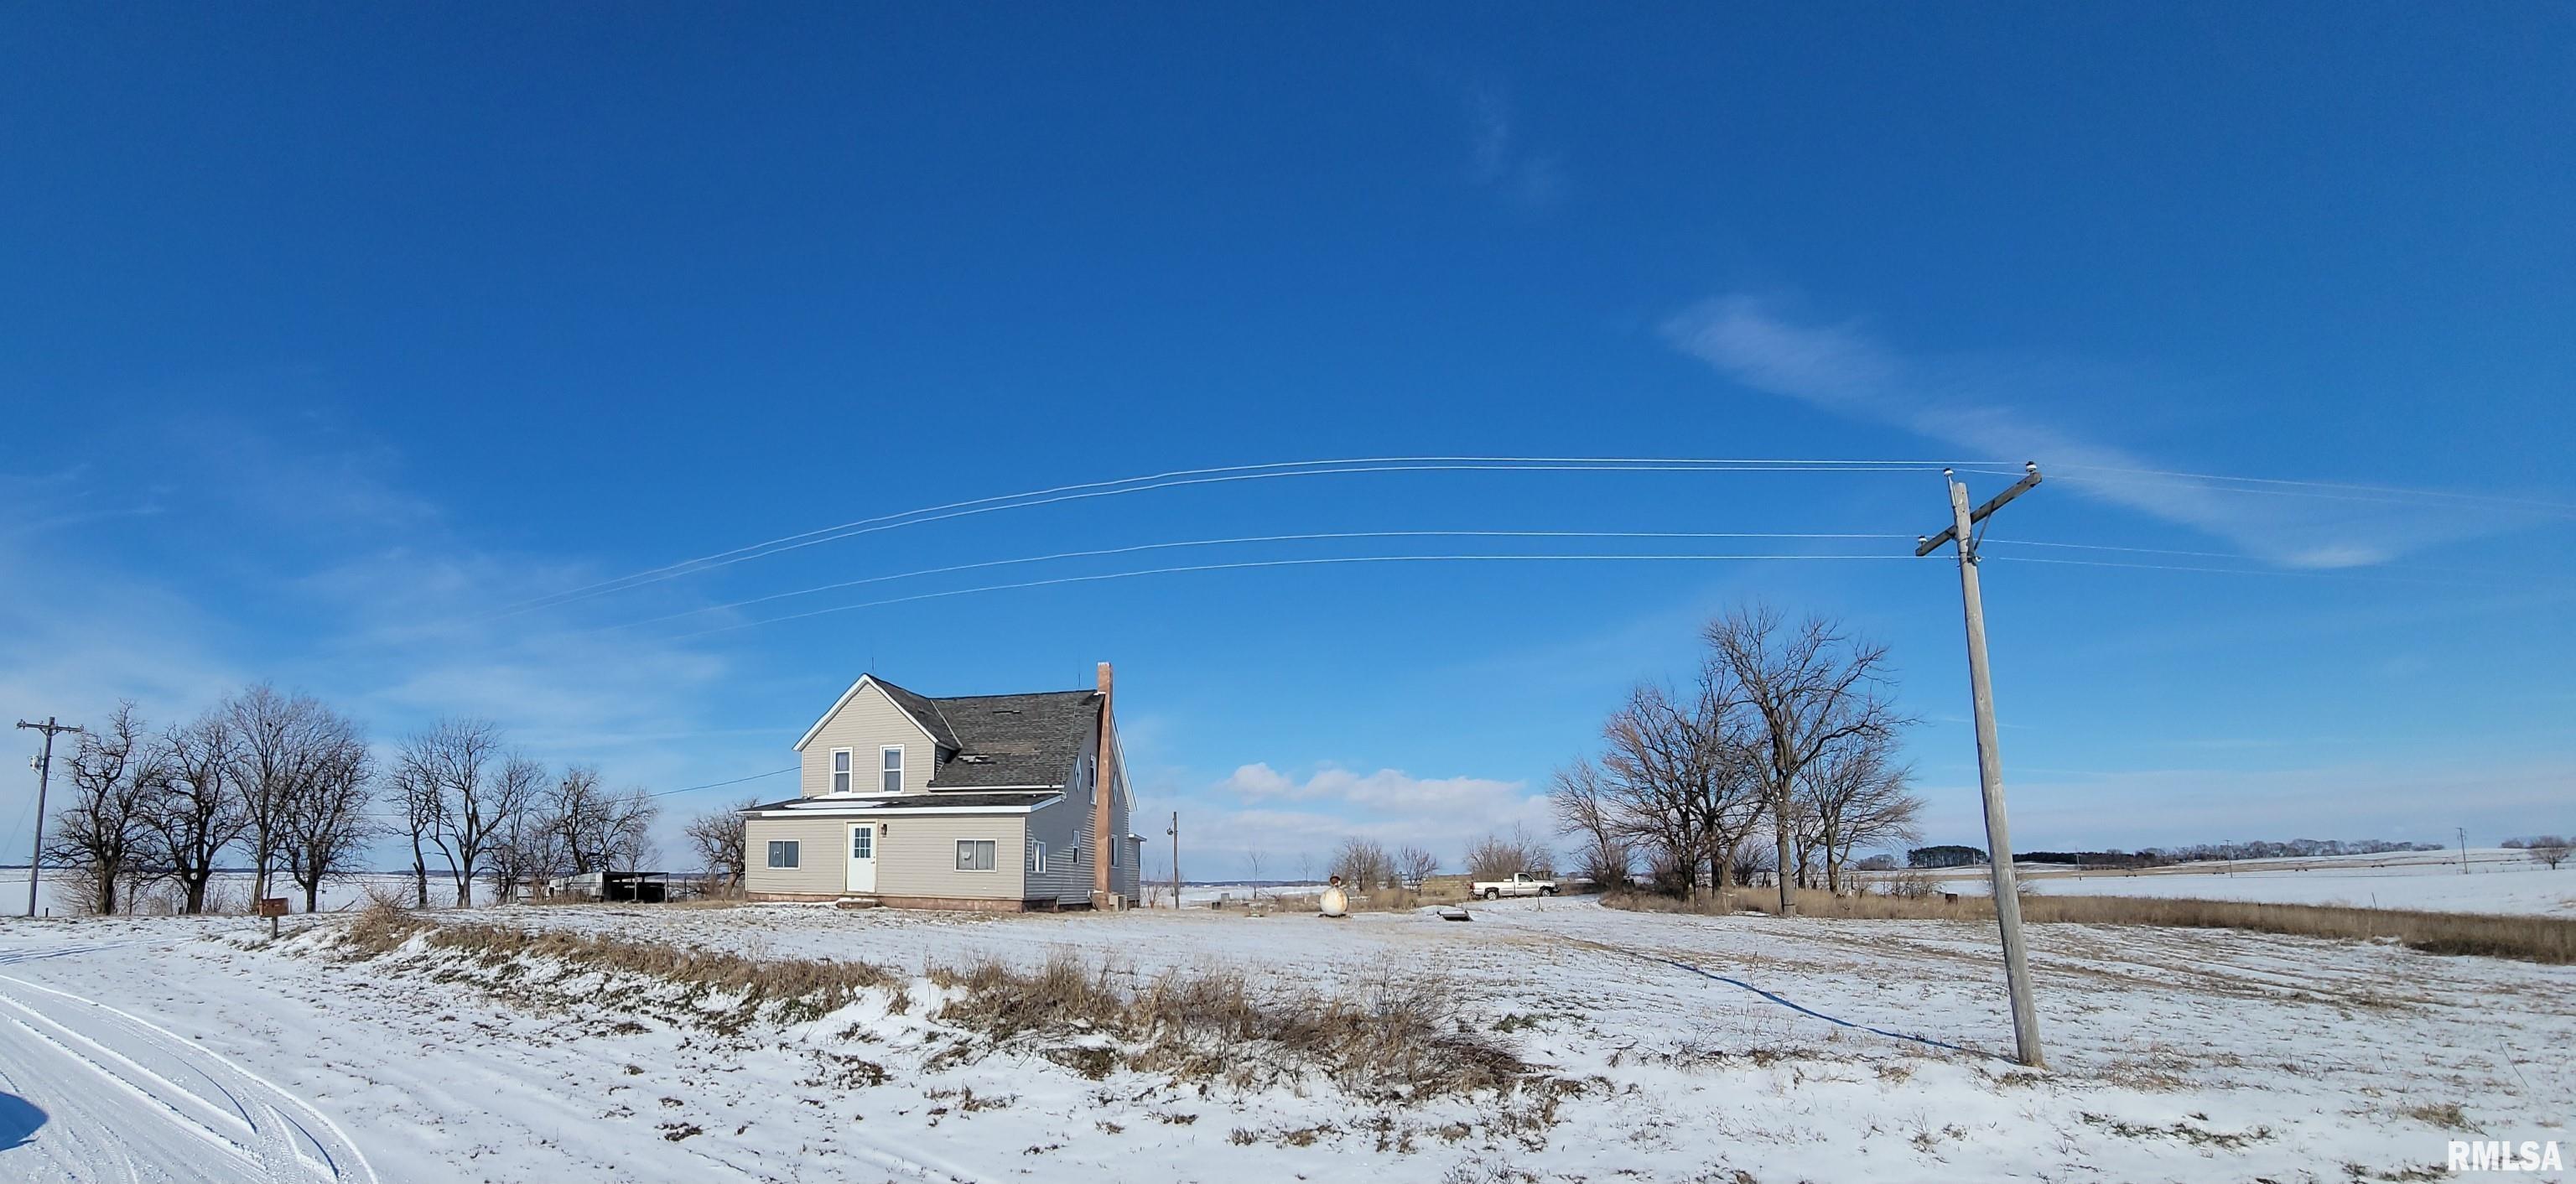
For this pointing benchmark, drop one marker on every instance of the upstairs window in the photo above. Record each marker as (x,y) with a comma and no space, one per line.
(890,764)
(840,770)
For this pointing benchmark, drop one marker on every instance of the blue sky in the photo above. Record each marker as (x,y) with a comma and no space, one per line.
(332,332)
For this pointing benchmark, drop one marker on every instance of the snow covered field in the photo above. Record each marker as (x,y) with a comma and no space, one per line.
(187,1048)
(2498,881)
(235,887)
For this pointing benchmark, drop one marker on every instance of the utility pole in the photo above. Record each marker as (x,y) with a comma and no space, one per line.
(2463,832)
(1175,832)
(1990,761)
(44,780)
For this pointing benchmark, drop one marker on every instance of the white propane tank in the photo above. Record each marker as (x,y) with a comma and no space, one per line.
(1335,902)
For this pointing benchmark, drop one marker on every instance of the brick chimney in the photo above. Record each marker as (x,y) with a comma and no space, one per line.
(1103,775)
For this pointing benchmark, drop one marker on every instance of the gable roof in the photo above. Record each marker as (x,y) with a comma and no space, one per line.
(1028,741)
(924,711)
(1016,740)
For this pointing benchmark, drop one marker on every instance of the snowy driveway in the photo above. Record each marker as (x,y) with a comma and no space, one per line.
(91,1093)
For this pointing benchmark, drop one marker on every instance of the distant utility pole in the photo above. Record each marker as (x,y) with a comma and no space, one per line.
(1990,761)
(2463,832)
(1175,832)
(44,779)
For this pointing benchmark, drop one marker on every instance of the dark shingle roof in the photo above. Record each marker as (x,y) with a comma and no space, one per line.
(923,709)
(1015,739)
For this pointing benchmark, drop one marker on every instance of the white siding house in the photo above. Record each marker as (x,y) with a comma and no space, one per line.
(972,801)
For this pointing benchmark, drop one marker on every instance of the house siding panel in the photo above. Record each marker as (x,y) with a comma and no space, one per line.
(917,856)
(1065,828)
(1123,879)
(823,869)
(869,721)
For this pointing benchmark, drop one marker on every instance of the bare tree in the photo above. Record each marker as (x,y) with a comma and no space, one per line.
(195,809)
(101,834)
(1363,864)
(1857,794)
(2548,849)
(716,838)
(415,792)
(479,793)
(1585,810)
(1682,779)
(599,830)
(527,849)
(1413,865)
(281,749)
(324,830)
(1752,862)
(1807,688)
(1498,855)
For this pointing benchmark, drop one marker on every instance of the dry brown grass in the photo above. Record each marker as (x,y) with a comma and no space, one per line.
(2533,939)
(1396,1038)
(800,989)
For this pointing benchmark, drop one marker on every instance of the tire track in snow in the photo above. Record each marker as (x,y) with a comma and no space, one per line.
(110,1080)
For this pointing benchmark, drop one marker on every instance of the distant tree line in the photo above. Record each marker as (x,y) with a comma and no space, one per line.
(1945,855)
(2549,849)
(291,787)
(1778,760)
(1959,856)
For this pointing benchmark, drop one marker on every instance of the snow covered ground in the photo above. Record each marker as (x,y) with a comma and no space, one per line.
(2497,881)
(2175,1055)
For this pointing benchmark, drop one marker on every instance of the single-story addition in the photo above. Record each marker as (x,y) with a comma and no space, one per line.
(966,802)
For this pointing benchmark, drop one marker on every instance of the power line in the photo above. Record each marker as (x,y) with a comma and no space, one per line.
(2109,547)
(2396,492)
(1188,477)
(2296,572)
(1157,571)
(1247,539)
(721,784)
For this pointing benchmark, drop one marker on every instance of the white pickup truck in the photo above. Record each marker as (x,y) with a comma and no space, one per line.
(1521,884)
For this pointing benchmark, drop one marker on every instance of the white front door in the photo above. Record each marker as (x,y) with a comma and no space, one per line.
(863,858)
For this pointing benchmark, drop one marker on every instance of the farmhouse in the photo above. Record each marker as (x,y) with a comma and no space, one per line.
(997,802)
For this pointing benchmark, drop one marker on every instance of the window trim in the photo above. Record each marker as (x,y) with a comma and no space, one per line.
(841,779)
(787,847)
(966,855)
(897,770)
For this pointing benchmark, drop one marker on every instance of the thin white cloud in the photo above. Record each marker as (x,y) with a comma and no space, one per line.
(314,568)
(1997,406)
(1258,813)
(1533,179)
